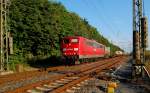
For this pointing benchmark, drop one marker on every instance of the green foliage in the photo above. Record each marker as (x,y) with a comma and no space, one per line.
(37,27)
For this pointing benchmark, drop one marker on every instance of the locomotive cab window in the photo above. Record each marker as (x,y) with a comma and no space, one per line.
(66,41)
(74,40)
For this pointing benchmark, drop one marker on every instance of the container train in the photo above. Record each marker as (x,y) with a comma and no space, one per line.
(75,49)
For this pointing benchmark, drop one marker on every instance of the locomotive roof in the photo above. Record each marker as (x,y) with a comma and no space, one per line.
(84,38)
(73,37)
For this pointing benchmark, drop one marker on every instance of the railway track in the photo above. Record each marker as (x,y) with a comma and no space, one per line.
(83,78)
(30,74)
(69,81)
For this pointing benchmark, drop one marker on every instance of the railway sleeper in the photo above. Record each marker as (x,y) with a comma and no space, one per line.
(51,86)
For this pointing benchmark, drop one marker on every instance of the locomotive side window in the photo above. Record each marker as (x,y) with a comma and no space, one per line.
(95,45)
(74,40)
(89,43)
(101,46)
(66,41)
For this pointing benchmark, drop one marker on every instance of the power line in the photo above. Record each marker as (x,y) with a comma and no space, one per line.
(103,16)
(98,13)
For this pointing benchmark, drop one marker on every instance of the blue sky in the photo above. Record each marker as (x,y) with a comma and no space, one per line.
(112,18)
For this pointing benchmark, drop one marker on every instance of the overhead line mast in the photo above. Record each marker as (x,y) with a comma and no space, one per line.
(4,35)
(139,39)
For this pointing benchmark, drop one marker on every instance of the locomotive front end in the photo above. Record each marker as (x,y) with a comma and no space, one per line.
(70,49)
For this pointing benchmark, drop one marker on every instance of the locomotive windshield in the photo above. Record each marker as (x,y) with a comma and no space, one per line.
(74,40)
(66,41)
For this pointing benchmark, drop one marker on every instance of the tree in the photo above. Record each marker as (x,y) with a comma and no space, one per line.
(38,26)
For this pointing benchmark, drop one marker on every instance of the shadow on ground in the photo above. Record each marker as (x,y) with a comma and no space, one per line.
(46,62)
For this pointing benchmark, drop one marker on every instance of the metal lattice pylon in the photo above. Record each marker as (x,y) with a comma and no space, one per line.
(138,62)
(3,35)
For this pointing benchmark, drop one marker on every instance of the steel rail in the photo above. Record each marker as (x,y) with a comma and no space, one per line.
(84,77)
(84,71)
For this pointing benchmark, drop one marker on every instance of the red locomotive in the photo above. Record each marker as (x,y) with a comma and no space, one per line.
(75,48)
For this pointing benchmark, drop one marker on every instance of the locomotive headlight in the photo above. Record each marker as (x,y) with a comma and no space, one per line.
(76,49)
(64,49)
